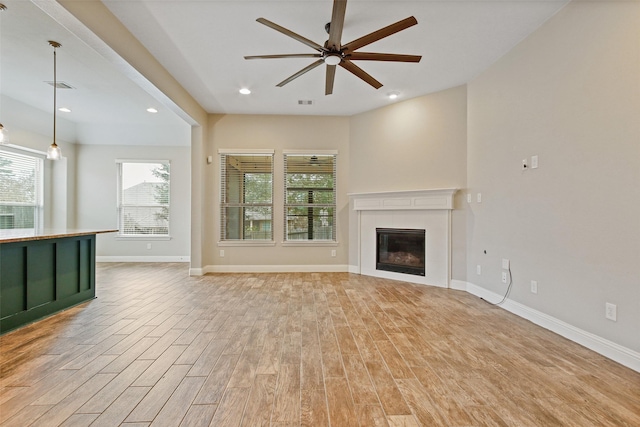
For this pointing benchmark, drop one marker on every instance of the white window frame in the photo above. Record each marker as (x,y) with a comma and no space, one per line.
(38,157)
(318,242)
(120,205)
(224,204)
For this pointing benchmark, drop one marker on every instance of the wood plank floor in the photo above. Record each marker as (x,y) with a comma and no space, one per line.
(160,348)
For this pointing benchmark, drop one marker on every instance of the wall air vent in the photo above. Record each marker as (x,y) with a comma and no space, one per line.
(61,85)
(305,102)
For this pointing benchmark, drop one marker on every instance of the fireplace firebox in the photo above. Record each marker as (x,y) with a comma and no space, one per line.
(401,250)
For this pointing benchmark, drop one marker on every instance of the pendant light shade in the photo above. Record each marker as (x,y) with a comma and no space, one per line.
(4,135)
(54,153)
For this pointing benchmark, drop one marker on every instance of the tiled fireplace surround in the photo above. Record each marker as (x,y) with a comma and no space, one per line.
(419,209)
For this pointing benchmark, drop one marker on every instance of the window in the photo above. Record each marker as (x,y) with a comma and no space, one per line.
(21,200)
(143,198)
(246,191)
(310,197)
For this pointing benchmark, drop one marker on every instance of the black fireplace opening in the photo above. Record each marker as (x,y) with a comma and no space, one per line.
(400,250)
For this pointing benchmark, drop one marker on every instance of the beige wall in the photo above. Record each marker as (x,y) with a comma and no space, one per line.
(278,133)
(413,145)
(569,93)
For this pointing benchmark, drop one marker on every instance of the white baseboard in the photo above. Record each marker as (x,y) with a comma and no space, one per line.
(458,285)
(609,349)
(196,271)
(142,258)
(270,269)
(354,269)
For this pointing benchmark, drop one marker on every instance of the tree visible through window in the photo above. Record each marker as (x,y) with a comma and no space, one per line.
(143,198)
(246,197)
(20,191)
(310,197)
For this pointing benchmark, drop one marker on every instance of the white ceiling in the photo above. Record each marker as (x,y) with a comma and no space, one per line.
(202,44)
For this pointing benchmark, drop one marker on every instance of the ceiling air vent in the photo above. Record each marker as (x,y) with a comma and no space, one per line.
(61,85)
(305,102)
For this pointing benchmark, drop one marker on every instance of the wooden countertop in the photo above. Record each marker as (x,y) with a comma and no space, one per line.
(24,235)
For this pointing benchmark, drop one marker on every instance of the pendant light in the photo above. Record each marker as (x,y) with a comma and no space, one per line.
(4,135)
(54,153)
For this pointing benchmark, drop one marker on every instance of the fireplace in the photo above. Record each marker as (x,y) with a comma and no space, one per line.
(401,250)
(429,210)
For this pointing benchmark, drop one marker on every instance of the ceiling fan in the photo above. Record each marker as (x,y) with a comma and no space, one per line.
(335,53)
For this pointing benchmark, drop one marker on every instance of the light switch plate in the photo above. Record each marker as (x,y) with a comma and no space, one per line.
(534,162)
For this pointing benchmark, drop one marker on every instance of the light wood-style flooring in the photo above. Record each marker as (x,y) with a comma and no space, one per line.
(160,348)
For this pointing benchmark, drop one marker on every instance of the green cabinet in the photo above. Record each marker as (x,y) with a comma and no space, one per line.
(41,277)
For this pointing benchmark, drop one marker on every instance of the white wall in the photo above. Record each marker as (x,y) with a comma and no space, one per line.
(97,194)
(569,93)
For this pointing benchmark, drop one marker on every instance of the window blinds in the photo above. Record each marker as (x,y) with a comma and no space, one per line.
(246,196)
(310,197)
(143,198)
(20,190)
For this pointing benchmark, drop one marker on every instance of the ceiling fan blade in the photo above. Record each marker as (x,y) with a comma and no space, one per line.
(337,22)
(291,34)
(365,56)
(380,34)
(301,72)
(331,75)
(359,72)
(286,55)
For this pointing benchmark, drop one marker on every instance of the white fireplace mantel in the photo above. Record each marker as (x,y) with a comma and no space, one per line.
(441,198)
(420,209)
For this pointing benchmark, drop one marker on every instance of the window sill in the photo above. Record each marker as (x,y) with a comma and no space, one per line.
(311,243)
(247,243)
(141,237)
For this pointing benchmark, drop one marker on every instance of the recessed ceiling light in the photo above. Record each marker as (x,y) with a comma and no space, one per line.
(64,109)
(152,110)
(393,95)
(245,91)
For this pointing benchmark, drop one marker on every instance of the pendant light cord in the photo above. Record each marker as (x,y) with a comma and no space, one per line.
(55,90)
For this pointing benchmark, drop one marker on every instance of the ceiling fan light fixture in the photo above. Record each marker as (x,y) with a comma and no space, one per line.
(332,59)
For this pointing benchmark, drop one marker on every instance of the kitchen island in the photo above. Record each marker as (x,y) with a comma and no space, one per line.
(43,272)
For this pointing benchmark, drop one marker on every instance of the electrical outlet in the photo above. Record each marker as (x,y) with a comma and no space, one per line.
(505,263)
(469,198)
(478,270)
(504,277)
(148,246)
(534,287)
(479,198)
(333,252)
(611,311)
(221,253)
